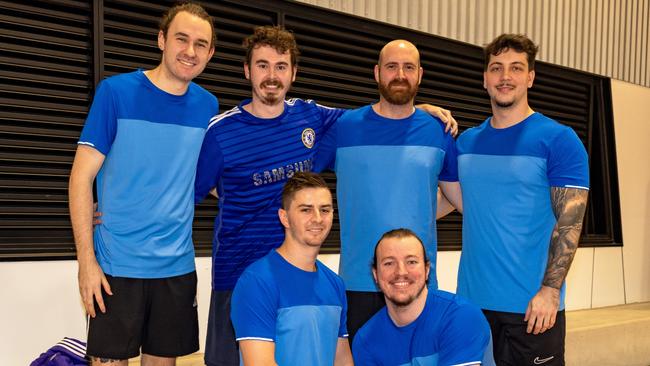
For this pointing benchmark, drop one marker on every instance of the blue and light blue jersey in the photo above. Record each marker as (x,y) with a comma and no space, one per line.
(449,331)
(506,177)
(387,174)
(304,313)
(248,160)
(151,141)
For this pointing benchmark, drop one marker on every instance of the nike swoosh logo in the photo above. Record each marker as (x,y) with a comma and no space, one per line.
(539,361)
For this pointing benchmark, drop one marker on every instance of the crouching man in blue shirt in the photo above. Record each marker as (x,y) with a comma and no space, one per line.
(418,325)
(287,307)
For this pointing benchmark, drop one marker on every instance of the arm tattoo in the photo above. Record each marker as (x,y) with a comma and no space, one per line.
(569,206)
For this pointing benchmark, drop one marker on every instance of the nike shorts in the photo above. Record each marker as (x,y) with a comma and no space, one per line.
(513,346)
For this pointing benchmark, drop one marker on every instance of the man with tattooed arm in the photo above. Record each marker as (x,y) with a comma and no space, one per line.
(525,181)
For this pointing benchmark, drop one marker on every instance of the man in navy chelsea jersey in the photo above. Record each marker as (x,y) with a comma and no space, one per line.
(288,308)
(141,141)
(248,154)
(525,180)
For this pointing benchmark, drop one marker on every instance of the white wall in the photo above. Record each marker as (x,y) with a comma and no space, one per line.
(633,156)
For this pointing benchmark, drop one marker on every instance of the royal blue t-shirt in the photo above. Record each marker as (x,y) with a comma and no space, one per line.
(151,141)
(304,313)
(449,331)
(387,174)
(506,177)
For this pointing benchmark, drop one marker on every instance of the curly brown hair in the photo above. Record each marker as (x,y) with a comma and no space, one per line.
(274,36)
(516,42)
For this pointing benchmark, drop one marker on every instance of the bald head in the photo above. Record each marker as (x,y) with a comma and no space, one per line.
(398,73)
(399,47)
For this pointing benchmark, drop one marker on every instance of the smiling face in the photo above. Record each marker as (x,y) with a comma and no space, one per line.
(270,74)
(186,48)
(398,73)
(308,218)
(507,79)
(401,269)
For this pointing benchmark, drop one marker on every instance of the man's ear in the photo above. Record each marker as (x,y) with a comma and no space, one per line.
(247,71)
(282,214)
(161,40)
(531,78)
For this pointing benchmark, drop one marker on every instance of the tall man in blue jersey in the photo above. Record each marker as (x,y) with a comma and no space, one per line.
(418,326)
(248,154)
(524,181)
(389,159)
(141,140)
(288,308)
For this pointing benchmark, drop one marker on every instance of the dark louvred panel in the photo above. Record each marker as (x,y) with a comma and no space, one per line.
(48,55)
(45,86)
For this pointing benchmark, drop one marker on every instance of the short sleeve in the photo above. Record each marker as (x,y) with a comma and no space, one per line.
(101,124)
(343,328)
(254,309)
(464,336)
(360,351)
(209,166)
(449,172)
(329,115)
(568,163)
(325,156)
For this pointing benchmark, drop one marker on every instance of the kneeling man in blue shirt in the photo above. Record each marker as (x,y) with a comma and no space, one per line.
(418,325)
(288,308)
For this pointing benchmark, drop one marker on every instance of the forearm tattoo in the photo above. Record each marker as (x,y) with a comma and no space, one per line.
(569,206)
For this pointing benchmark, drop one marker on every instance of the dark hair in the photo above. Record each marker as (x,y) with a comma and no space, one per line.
(509,41)
(188,7)
(273,36)
(399,233)
(298,182)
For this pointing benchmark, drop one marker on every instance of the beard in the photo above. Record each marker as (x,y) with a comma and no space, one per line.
(270,98)
(400,97)
(407,301)
(504,104)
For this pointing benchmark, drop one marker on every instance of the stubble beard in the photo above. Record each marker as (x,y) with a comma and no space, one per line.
(408,301)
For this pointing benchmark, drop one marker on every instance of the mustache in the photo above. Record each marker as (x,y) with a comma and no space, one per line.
(399,83)
(272,82)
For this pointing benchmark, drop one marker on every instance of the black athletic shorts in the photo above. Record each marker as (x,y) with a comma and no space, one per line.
(361,307)
(158,316)
(221,348)
(513,346)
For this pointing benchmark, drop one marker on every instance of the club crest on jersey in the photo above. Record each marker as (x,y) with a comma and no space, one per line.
(308,137)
